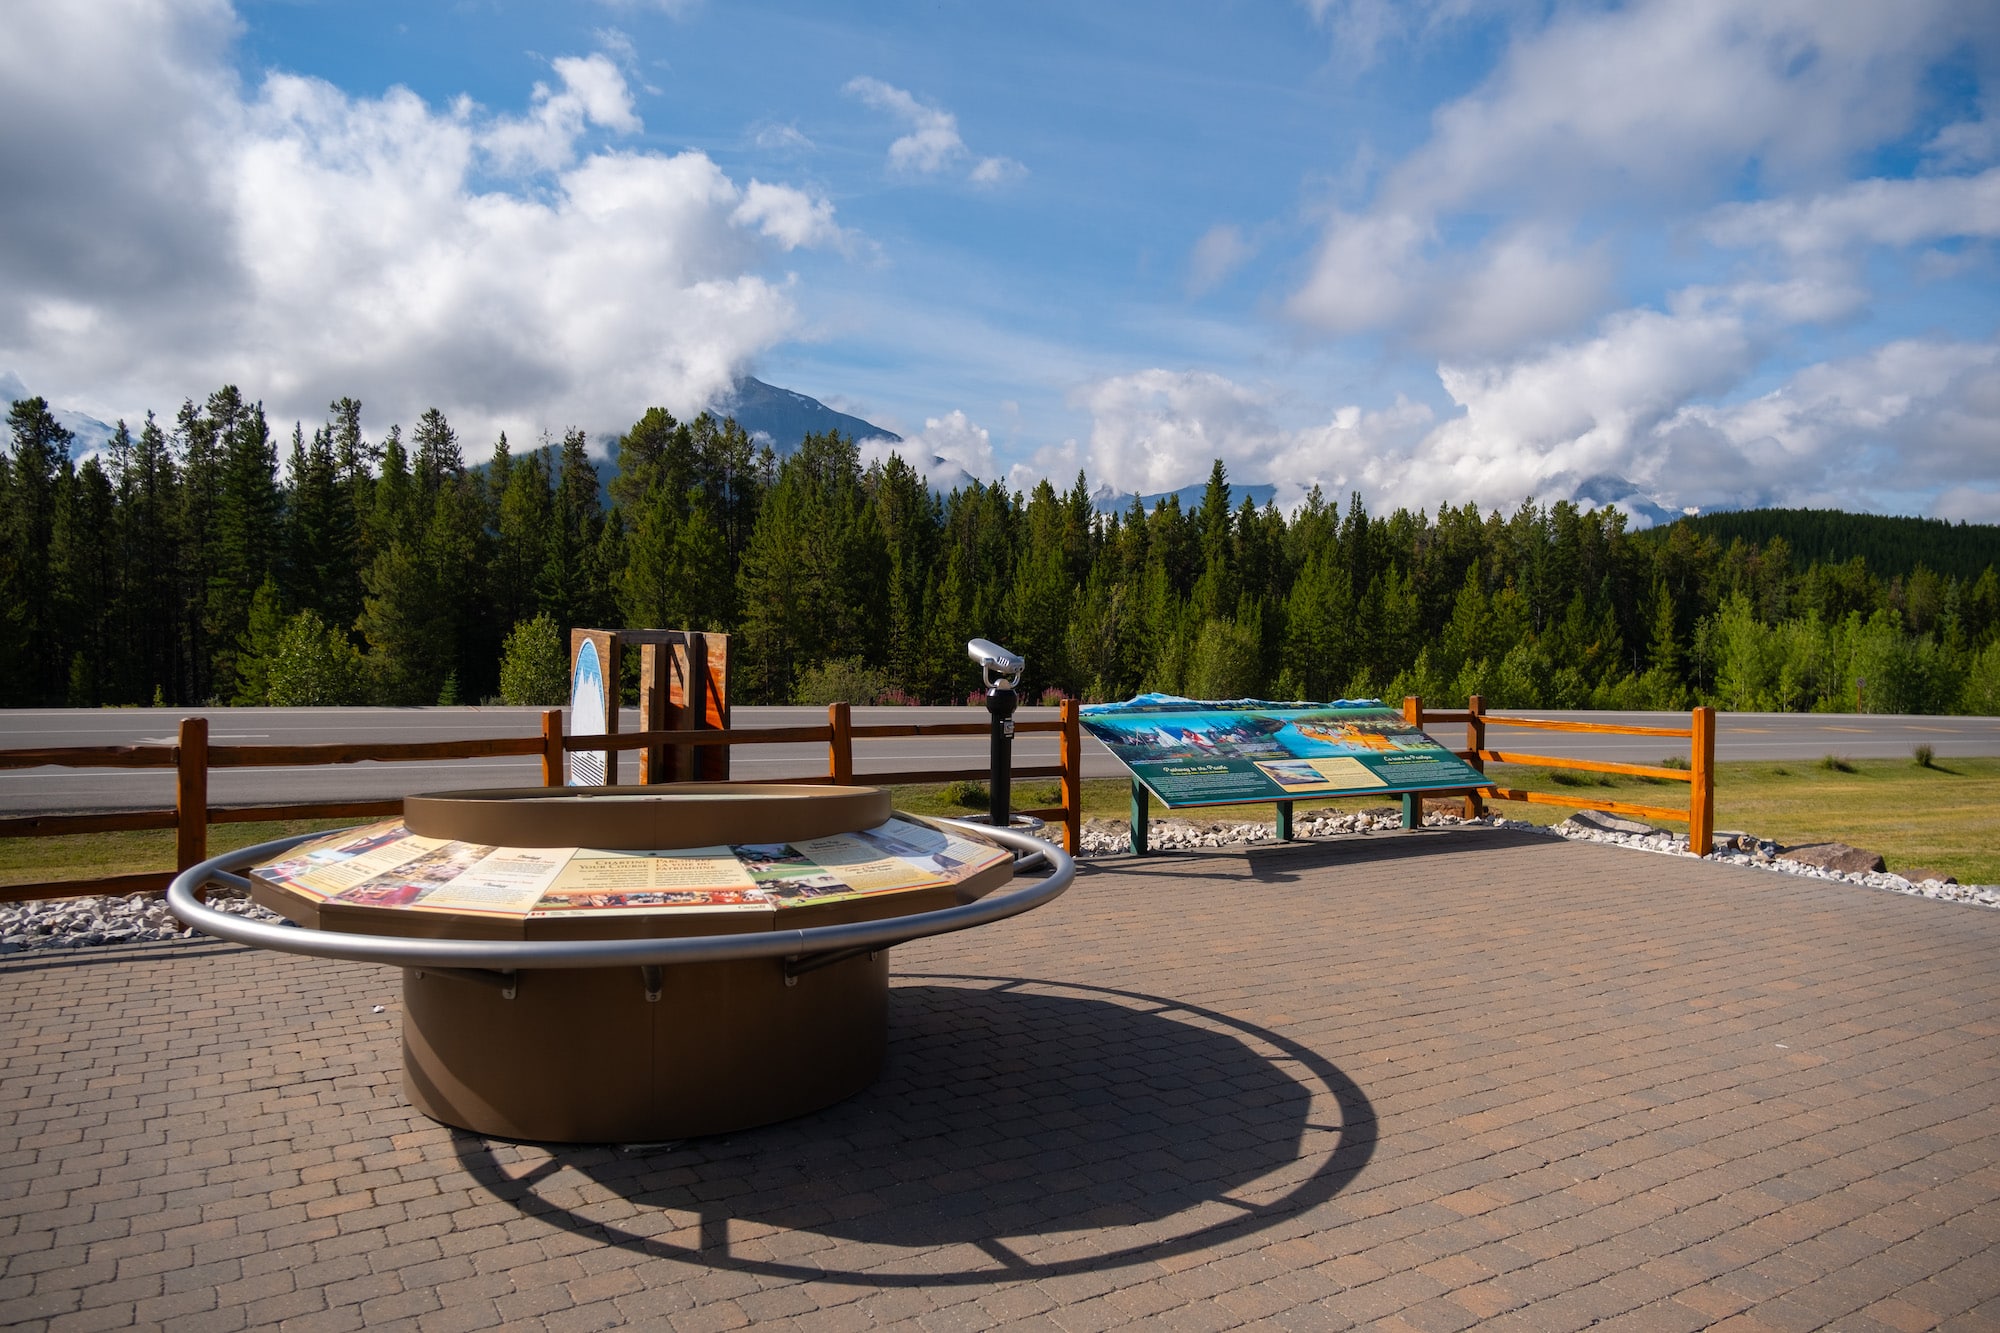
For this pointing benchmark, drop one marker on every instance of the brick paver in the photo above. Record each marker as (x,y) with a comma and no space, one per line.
(1429,1080)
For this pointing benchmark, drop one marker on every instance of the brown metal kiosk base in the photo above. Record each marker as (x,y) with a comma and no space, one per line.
(583,1056)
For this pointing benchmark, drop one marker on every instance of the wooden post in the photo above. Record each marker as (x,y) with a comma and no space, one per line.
(715,670)
(1284,821)
(840,745)
(1475,741)
(655,709)
(1142,811)
(692,656)
(1413,802)
(191,794)
(553,774)
(1071,757)
(1701,785)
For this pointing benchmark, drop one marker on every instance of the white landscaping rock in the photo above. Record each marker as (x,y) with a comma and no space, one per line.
(1108,837)
(79,923)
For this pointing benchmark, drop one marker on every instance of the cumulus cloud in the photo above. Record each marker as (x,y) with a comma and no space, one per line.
(951,451)
(307,244)
(593,93)
(933,143)
(1638,414)
(1660,106)
(790,217)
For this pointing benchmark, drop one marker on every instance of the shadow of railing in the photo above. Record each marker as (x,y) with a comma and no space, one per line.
(1021,1129)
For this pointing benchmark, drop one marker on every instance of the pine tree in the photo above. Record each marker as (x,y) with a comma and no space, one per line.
(40,458)
(525,508)
(248,528)
(570,586)
(146,535)
(814,579)
(438,457)
(84,566)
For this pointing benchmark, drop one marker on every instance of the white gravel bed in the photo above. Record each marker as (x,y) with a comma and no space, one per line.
(82,923)
(79,923)
(1105,837)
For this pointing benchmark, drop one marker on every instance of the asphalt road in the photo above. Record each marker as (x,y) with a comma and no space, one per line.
(50,790)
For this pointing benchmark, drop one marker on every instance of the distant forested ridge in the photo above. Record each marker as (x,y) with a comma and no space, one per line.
(1889,543)
(206,560)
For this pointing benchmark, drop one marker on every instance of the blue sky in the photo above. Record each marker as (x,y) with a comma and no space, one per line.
(1663,255)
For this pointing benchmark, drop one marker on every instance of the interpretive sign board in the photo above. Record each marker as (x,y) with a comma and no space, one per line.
(594,684)
(386,866)
(1193,753)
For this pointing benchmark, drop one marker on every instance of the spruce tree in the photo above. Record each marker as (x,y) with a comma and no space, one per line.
(248,530)
(40,461)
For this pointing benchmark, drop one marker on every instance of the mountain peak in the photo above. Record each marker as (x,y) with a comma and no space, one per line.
(783,418)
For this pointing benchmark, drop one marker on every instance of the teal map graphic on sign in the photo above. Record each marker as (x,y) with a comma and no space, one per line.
(1189,753)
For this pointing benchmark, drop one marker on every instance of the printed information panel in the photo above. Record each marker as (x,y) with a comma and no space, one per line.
(1191,753)
(385,865)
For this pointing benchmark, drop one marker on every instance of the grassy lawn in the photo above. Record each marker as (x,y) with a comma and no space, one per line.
(85,855)
(1946,818)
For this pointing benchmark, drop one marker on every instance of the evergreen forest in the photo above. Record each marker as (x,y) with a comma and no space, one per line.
(207,561)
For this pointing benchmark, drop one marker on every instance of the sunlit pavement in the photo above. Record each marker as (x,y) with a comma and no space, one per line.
(1428,1080)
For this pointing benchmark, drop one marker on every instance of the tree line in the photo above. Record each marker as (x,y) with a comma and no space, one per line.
(199,562)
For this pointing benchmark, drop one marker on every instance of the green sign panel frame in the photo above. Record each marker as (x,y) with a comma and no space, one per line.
(1190,753)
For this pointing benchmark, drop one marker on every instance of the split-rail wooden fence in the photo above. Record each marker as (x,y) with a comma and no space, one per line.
(192,758)
(1699,775)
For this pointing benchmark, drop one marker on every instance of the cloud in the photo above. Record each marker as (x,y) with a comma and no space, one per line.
(306,244)
(790,217)
(951,451)
(1869,212)
(1219,253)
(1151,430)
(1645,111)
(1362,29)
(1967,144)
(677,9)
(997,171)
(775,138)
(593,93)
(933,143)
(1969,504)
(1639,414)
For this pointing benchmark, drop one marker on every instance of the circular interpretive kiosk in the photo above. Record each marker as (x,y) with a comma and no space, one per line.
(620,964)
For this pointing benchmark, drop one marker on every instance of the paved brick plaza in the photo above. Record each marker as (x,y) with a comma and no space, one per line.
(1425,1080)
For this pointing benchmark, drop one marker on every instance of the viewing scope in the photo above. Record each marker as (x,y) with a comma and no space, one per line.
(996,661)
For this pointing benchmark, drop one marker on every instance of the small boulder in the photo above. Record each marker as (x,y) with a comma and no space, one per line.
(1834,856)
(1919,875)
(1603,821)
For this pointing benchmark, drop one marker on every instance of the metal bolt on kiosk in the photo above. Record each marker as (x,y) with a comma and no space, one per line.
(1003,673)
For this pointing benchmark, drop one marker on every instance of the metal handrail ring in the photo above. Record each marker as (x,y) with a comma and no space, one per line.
(401,951)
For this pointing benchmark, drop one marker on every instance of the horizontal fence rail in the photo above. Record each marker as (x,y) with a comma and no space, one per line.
(1699,775)
(192,757)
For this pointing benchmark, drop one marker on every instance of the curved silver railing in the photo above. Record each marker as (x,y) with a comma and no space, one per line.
(507,955)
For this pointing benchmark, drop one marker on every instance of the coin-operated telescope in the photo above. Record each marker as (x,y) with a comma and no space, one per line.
(1003,672)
